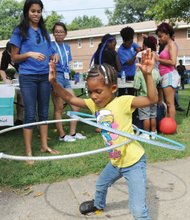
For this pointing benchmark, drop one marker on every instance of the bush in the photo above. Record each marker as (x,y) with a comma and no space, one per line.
(11,72)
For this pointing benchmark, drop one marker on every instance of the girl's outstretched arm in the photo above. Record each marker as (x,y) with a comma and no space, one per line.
(146,66)
(60,91)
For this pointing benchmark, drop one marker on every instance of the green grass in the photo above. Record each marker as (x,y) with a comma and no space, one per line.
(17,174)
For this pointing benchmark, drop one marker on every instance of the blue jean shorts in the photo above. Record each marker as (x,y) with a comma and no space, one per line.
(65,83)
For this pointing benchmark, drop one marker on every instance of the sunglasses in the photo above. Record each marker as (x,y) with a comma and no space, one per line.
(38,38)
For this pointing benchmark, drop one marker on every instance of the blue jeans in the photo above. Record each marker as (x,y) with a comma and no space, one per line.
(35,90)
(135,177)
(65,83)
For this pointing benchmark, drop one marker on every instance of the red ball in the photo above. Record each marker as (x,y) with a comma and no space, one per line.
(168,125)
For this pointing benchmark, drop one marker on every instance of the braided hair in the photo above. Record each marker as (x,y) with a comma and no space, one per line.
(106,70)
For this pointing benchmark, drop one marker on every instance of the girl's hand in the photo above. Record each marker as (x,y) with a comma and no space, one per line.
(37,56)
(55,58)
(52,71)
(147,62)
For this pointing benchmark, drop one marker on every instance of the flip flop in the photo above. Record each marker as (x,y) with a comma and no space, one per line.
(50,151)
(29,162)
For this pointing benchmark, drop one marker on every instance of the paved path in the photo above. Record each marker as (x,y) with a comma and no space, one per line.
(168,197)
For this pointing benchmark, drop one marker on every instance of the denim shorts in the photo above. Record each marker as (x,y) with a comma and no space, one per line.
(65,83)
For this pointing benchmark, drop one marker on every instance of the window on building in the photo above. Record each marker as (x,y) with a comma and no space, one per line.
(185,60)
(79,43)
(188,33)
(119,41)
(91,42)
(77,65)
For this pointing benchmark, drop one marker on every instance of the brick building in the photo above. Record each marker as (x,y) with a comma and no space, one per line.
(85,42)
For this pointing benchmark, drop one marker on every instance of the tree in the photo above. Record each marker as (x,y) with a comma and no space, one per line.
(85,22)
(174,10)
(51,19)
(11,11)
(128,12)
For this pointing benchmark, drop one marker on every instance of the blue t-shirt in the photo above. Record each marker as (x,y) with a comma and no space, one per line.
(126,54)
(37,43)
(64,52)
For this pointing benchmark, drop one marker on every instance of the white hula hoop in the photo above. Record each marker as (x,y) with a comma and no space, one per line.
(75,117)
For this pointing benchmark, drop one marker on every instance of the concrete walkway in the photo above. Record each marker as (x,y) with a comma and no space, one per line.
(168,195)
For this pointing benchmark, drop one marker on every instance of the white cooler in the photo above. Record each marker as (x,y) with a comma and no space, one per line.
(7,93)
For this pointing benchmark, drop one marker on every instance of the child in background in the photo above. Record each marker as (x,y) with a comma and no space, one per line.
(127,161)
(147,114)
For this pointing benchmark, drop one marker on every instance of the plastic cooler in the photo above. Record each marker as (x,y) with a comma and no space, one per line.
(7,94)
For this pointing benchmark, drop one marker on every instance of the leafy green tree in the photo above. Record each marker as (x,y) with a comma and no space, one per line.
(10,12)
(129,11)
(174,10)
(85,22)
(51,19)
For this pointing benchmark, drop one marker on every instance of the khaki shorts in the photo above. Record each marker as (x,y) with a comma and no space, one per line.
(148,112)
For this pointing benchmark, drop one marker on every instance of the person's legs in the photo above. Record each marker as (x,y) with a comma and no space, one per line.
(135,177)
(58,110)
(144,116)
(176,98)
(146,124)
(153,124)
(176,102)
(43,96)
(183,82)
(153,115)
(108,176)
(73,124)
(169,93)
(29,93)
(27,133)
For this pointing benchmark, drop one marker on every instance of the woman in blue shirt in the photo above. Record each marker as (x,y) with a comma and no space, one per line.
(63,74)
(31,48)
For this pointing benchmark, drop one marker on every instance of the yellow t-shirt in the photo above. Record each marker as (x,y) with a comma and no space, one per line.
(118,115)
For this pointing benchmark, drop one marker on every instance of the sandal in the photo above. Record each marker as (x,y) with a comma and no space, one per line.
(50,151)
(29,162)
(87,207)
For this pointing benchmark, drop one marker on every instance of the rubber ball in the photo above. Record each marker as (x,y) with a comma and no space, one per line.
(168,125)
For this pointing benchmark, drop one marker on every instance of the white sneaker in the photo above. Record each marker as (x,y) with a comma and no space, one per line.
(67,138)
(146,136)
(153,137)
(79,136)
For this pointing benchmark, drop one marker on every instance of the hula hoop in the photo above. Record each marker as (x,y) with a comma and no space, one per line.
(75,116)
(176,145)
(57,157)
